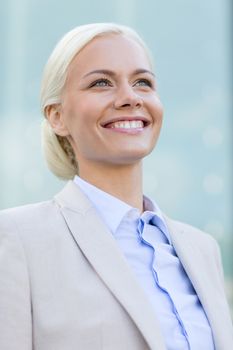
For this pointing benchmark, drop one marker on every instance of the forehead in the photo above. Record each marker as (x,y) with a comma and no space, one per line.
(111,51)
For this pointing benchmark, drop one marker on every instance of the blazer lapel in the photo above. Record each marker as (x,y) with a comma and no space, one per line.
(204,278)
(101,250)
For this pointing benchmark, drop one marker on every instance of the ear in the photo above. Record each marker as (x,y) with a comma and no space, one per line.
(56,120)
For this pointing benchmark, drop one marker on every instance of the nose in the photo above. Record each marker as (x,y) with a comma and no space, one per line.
(127,97)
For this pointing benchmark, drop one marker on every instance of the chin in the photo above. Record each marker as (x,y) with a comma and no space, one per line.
(132,157)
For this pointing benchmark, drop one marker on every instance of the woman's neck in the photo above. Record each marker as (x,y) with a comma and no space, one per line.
(121,181)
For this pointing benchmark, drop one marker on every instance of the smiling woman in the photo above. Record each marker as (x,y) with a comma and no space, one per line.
(100,266)
(109,110)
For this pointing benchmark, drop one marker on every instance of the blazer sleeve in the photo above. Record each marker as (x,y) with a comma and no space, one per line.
(15,304)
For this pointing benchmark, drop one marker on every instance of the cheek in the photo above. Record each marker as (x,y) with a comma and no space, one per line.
(161,114)
(157,111)
(82,124)
(76,116)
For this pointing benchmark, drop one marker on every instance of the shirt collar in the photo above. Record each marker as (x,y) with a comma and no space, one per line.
(112,210)
(153,214)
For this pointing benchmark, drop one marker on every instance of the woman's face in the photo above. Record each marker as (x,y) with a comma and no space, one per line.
(110,110)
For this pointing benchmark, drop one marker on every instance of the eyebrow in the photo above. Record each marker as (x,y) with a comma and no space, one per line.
(111,73)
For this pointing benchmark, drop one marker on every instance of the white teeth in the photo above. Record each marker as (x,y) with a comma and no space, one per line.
(128,124)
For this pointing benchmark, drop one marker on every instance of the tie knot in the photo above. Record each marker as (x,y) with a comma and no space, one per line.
(150,218)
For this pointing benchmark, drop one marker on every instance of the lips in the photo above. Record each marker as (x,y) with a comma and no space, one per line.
(127,123)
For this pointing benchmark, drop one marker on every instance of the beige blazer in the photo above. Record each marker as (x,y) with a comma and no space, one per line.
(65,285)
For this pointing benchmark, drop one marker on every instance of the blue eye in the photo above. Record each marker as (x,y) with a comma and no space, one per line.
(143,82)
(101,83)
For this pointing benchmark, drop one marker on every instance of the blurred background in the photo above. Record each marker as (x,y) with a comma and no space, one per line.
(190,172)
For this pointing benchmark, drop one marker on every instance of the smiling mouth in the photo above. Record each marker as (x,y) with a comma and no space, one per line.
(127,125)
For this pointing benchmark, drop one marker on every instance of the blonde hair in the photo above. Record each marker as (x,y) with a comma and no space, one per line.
(58,152)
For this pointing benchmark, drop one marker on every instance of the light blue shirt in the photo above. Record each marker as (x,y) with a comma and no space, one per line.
(144,240)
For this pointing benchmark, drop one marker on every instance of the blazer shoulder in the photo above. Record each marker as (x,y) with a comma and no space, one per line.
(29,215)
(26,209)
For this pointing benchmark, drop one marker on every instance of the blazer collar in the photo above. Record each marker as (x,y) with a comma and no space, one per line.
(101,250)
(204,277)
